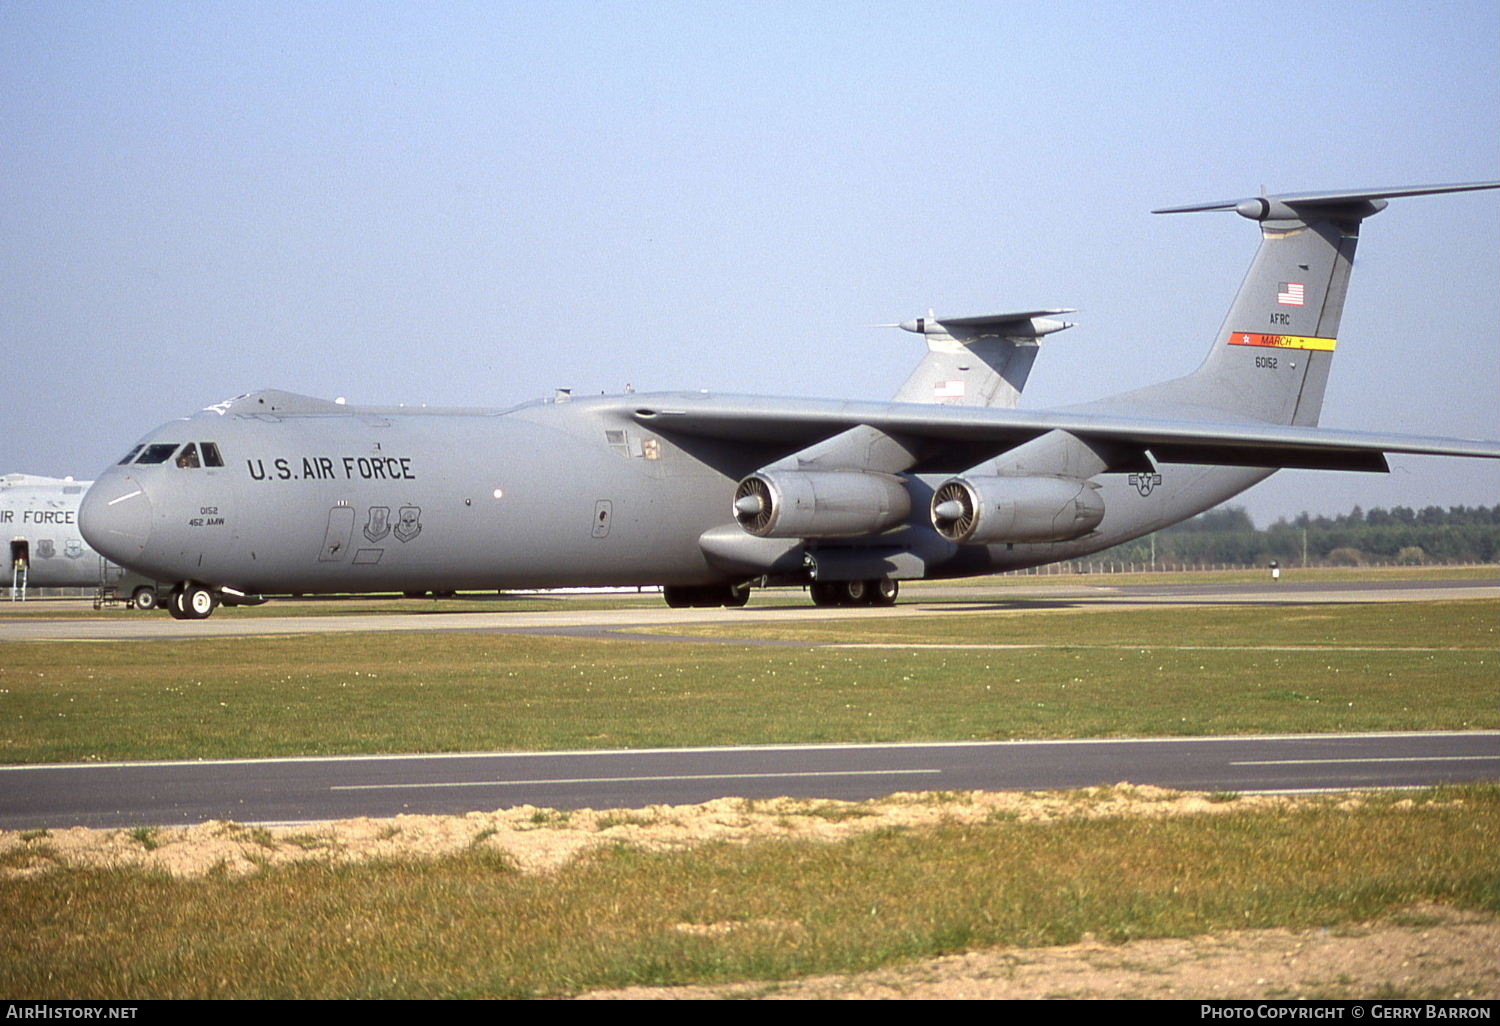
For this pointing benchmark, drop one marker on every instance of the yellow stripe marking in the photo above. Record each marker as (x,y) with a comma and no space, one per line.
(1250,338)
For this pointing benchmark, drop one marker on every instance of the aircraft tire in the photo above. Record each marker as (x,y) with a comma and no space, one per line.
(883,592)
(736,596)
(825,593)
(198,602)
(143,598)
(677,597)
(855,593)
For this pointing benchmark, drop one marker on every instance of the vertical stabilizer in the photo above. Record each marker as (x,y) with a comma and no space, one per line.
(1271,357)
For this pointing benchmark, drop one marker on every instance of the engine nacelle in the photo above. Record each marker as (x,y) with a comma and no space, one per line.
(820,503)
(991,510)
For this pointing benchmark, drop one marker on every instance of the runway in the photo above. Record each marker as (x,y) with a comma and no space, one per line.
(491,614)
(292,790)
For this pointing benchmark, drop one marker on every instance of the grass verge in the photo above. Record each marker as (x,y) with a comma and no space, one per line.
(471,926)
(1151,672)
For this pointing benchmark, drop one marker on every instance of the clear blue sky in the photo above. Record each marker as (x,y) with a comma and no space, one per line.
(471,204)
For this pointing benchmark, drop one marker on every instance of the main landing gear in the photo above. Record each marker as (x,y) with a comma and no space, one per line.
(879,592)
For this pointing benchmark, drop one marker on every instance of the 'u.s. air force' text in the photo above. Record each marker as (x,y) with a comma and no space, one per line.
(333,468)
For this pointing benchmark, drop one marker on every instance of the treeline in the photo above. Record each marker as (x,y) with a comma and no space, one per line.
(1459,534)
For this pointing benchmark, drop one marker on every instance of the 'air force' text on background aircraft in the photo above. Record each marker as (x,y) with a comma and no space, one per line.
(39,516)
(272,492)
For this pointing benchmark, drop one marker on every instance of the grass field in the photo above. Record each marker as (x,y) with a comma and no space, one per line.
(1055,674)
(471,926)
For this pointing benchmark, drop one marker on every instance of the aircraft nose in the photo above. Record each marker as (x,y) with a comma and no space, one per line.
(115,517)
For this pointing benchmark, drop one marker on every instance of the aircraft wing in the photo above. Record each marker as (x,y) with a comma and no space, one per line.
(969,435)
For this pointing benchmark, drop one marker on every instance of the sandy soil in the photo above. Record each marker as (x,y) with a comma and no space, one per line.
(543,840)
(1429,952)
(1458,956)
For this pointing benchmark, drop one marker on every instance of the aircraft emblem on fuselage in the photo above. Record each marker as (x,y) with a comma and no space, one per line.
(379,524)
(409,523)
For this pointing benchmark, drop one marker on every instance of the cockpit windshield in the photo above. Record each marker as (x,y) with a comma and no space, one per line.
(159,453)
(191,456)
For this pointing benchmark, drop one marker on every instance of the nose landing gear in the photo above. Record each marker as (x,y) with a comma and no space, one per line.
(190,601)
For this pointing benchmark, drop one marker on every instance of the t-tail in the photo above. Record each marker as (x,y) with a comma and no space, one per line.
(1271,357)
(977,361)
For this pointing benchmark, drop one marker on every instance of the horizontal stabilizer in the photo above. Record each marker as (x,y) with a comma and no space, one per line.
(1290,206)
(1022,325)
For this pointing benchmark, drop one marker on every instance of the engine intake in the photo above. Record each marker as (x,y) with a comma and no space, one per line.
(819,503)
(992,510)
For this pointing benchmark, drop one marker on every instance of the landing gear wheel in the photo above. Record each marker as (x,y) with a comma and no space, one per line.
(825,593)
(199,602)
(192,602)
(143,598)
(883,592)
(677,596)
(736,596)
(854,593)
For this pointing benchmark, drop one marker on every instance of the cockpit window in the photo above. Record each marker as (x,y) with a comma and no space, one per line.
(130,455)
(159,453)
(188,457)
(211,457)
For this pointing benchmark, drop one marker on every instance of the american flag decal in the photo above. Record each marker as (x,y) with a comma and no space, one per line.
(1290,293)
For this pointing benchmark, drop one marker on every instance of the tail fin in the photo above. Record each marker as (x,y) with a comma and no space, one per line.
(1271,358)
(976,361)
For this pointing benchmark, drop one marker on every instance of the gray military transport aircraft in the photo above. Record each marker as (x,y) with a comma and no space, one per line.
(39,516)
(705,495)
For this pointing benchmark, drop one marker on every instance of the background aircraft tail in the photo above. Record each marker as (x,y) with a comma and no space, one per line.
(977,361)
(1271,357)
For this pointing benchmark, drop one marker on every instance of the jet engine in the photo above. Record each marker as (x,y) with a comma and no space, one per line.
(991,510)
(819,503)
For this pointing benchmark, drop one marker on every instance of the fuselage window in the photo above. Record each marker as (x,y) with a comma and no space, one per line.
(130,455)
(188,457)
(159,453)
(211,457)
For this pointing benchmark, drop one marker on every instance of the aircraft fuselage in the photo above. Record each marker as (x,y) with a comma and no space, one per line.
(561,494)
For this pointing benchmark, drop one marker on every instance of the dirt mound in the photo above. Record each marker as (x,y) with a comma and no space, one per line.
(542,840)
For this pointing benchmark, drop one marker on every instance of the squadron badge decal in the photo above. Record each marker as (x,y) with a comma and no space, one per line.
(379,523)
(409,523)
